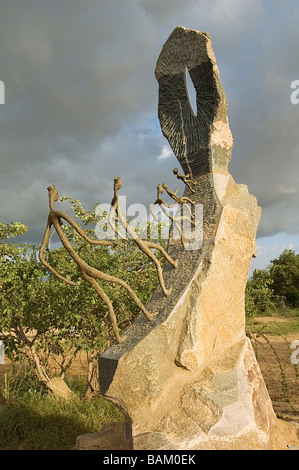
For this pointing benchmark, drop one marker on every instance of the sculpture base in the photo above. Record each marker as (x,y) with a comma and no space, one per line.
(113,436)
(227,407)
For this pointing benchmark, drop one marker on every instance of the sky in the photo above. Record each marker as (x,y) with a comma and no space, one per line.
(81,104)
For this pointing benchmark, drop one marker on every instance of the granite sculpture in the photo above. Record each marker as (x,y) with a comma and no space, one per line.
(189,379)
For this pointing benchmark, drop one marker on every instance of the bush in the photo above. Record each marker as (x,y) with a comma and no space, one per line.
(291,294)
(258,294)
(284,272)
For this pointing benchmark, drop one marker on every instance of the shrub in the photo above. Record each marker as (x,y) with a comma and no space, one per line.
(258,295)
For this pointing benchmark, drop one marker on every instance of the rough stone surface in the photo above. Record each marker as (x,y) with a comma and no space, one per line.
(113,436)
(190,379)
(201,142)
(286,435)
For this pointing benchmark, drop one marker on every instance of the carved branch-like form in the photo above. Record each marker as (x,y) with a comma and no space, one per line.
(116,215)
(179,200)
(186,179)
(183,201)
(89,273)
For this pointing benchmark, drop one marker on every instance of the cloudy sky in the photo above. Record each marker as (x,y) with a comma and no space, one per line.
(81,103)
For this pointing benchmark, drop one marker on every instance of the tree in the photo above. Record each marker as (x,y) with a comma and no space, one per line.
(8,231)
(47,321)
(284,272)
(28,323)
(258,294)
(24,303)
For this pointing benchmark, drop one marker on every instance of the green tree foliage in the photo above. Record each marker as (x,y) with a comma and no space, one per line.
(11,230)
(29,327)
(279,281)
(259,292)
(47,321)
(284,272)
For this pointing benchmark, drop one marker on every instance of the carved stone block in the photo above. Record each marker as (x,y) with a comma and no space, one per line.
(190,379)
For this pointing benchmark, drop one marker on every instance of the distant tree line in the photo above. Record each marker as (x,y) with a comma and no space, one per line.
(275,286)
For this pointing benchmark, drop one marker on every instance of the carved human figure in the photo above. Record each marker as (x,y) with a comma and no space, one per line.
(89,273)
(182,201)
(145,245)
(186,179)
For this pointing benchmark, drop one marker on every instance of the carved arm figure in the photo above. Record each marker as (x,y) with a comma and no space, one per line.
(183,201)
(145,245)
(186,179)
(89,273)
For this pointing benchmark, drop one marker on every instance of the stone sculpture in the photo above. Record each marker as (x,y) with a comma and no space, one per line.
(190,379)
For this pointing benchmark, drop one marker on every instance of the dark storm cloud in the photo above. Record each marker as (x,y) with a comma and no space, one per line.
(265,122)
(81,100)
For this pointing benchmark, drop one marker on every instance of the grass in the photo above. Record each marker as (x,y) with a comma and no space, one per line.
(272,327)
(31,419)
(282,312)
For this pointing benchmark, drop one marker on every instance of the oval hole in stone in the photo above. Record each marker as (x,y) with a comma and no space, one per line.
(191,92)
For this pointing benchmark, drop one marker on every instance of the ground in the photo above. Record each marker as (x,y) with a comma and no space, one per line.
(273,353)
(281,376)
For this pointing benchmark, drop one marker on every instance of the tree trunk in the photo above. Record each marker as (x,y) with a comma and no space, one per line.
(93,377)
(56,385)
(59,388)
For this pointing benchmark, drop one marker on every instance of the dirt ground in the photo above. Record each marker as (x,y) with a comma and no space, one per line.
(281,376)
